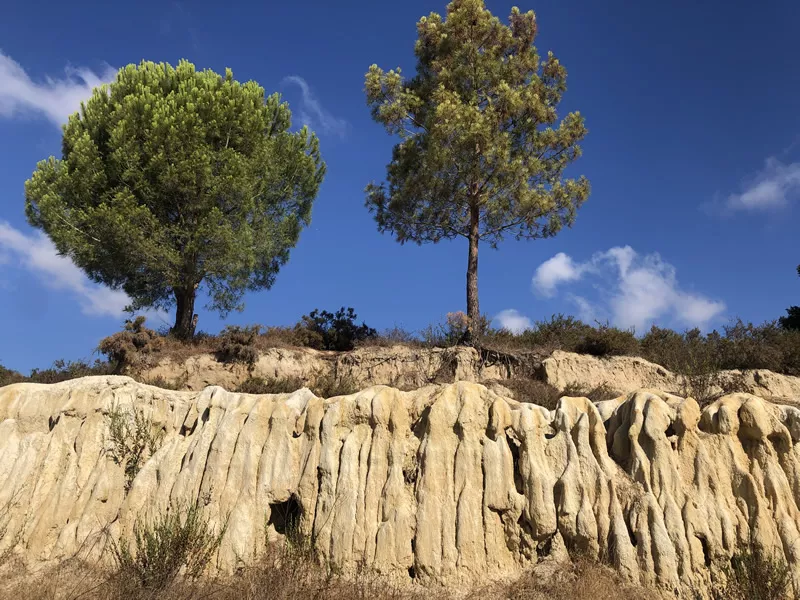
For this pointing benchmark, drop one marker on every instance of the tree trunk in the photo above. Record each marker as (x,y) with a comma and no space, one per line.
(185,319)
(473,308)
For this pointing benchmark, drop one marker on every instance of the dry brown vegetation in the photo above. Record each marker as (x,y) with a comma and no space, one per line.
(288,573)
(324,386)
(697,356)
(541,393)
(581,580)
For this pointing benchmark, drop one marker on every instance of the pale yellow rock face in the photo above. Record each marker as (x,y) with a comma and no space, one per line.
(398,366)
(452,484)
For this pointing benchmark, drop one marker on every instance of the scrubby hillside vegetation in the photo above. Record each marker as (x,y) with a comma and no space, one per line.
(698,357)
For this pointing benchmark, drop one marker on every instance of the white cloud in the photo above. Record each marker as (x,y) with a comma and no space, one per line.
(56,99)
(771,188)
(555,271)
(313,114)
(635,291)
(513,321)
(38,255)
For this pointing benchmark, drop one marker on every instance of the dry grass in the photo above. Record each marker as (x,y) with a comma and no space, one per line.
(754,575)
(541,393)
(285,572)
(322,385)
(288,572)
(583,580)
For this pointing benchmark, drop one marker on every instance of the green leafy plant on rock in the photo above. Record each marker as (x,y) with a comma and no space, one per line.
(177,542)
(132,441)
(339,331)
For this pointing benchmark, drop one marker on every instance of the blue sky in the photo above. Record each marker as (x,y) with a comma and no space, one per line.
(693,154)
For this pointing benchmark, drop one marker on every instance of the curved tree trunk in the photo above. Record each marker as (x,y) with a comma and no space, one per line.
(185,319)
(473,307)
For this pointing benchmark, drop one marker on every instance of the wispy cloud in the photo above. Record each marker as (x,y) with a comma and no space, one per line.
(37,255)
(55,99)
(555,271)
(633,290)
(772,188)
(513,321)
(313,114)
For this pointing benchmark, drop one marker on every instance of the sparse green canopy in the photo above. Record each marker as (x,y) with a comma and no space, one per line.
(482,152)
(171,178)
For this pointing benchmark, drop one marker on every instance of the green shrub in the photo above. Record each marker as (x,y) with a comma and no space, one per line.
(332,385)
(559,333)
(131,441)
(7,376)
(259,385)
(165,384)
(238,344)
(754,575)
(65,370)
(339,331)
(453,331)
(130,346)
(175,542)
(606,340)
(533,391)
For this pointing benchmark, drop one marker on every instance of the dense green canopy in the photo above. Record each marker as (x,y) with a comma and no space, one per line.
(482,152)
(171,178)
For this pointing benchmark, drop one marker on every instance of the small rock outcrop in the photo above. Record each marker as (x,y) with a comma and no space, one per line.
(448,483)
(624,374)
(397,366)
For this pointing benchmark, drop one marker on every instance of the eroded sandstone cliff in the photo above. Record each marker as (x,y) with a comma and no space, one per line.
(448,483)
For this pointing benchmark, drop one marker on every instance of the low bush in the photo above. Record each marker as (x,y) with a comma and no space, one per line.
(163,383)
(538,392)
(177,542)
(558,333)
(533,391)
(238,344)
(583,579)
(754,575)
(64,370)
(332,385)
(338,331)
(132,440)
(606,340)
(260,385)
(453,331)
(7,376)
(130,346)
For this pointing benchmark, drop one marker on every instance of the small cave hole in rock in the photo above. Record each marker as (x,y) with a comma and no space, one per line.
(544,546)
(514,447)
(285,516)
(631,535)
(706,553)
